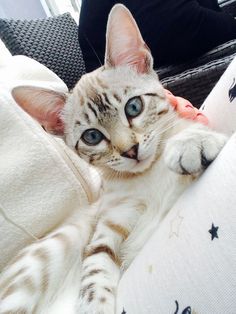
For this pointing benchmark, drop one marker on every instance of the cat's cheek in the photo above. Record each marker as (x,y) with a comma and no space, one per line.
(69,140)
(147,148)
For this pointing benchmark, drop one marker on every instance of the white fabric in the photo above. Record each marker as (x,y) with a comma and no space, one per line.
(42,181)
(4,53)
(181,263)
(217,106)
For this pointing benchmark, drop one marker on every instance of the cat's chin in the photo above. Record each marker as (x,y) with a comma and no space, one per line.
(141,165)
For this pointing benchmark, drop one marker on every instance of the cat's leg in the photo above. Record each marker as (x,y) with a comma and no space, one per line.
(193,149)
(102,263)
(36,274)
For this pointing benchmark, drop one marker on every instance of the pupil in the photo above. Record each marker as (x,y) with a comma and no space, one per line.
(133,107)
(94,135)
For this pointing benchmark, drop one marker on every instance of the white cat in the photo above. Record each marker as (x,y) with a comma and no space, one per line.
(119,120)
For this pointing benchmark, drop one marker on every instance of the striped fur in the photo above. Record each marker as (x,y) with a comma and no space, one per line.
(76,268)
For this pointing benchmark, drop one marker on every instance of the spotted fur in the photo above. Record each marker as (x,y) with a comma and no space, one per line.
(76,268)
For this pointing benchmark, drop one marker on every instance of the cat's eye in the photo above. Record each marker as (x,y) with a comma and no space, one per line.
(133,107)
(92,137)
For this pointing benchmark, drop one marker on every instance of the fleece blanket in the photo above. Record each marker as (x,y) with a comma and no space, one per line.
(41,180)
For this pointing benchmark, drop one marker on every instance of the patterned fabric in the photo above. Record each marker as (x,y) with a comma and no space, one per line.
(51,41)
(220,105)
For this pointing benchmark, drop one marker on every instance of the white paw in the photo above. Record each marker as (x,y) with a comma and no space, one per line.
(96,307)
(98,301)
(192,150)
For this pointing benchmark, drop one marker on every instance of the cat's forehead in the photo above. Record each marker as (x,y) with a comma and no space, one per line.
(115,81)
(99,95)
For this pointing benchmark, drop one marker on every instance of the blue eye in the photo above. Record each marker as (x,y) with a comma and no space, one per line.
(92,137)
(134,107)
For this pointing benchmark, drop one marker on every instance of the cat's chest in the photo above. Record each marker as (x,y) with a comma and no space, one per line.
(157,188)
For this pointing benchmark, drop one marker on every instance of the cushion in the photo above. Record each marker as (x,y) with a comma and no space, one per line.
(188,265)
(51,41)
(43,181)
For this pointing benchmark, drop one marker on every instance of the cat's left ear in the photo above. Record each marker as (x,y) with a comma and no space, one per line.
(124,42)
(42,104)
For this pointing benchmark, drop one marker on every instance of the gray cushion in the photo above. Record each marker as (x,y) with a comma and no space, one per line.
(51,41)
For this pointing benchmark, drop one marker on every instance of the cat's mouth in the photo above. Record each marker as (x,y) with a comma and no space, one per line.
(141,165)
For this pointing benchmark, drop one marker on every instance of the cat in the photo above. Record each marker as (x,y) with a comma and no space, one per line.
(118,119)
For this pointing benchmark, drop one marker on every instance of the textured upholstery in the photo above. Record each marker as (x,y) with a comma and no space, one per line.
(195,84)
(228,6)
(51,41)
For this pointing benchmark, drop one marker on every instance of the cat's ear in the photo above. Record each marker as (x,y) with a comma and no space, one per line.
(124,42)
(44,105)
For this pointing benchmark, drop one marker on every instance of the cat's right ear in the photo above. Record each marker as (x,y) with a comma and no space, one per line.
(124,42)
(42,104)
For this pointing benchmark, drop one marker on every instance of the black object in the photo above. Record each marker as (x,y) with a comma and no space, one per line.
(214,232)
(52,41)
(175,30)
(232,91)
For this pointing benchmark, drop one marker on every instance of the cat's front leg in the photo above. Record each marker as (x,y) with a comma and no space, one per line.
(102,263)
(34,277)
(190,151)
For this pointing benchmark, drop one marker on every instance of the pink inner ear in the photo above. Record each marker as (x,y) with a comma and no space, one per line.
(136,59)
(43,105)
(125,45)
(52,120)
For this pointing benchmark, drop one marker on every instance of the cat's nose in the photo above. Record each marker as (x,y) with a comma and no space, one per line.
(132,153)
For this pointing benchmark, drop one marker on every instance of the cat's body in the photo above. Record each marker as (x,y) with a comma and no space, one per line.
(118,119)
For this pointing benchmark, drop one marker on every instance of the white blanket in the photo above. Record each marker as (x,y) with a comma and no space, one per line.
(41,180)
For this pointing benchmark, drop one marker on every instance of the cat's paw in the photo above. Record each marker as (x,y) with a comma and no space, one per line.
(97,301)
(92,303)
(18,289)
(192,150)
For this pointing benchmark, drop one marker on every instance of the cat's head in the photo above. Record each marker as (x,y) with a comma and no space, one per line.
(116,116)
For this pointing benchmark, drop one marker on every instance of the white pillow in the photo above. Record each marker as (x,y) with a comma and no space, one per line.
(4,53)
(42,181)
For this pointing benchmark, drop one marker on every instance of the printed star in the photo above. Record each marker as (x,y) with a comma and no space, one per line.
(213,231)
(175,225)
(123,312)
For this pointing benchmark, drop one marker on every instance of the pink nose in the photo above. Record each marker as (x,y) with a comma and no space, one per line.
(132,153)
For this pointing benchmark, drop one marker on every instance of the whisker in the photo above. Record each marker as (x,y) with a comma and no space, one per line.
(169,127)
(94,51)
